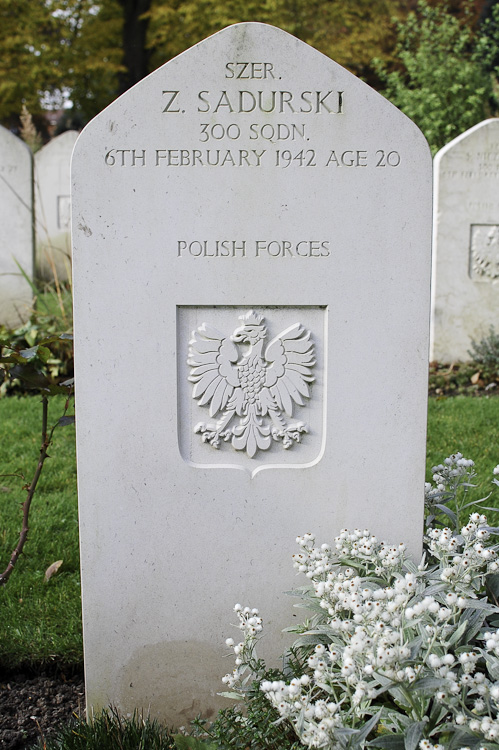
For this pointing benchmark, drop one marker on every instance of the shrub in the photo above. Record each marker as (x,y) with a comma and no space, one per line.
(444,80)
(394,655)
(110,731)
(486,351)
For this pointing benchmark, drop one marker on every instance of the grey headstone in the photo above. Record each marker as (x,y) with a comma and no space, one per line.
(53,207)
(16,222)
(465,280)
(251,183)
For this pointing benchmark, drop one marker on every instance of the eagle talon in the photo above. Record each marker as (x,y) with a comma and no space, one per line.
(208,434)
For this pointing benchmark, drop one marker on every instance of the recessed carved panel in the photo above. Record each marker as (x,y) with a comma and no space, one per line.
(484,252)
(253,380)
(250,390)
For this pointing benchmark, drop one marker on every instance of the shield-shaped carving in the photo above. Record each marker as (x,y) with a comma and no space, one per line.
(484,252)
(251,386)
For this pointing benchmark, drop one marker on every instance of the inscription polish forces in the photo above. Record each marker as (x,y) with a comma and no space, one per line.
(256,249)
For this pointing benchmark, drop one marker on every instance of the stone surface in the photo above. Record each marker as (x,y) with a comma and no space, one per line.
(53,207)
(465,278)
(16,206)
(251,177)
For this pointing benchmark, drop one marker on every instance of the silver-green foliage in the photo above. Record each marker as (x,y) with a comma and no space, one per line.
(395,655)
(446,75)
(486,351)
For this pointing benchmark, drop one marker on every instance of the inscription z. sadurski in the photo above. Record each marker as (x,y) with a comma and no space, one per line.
(252,390)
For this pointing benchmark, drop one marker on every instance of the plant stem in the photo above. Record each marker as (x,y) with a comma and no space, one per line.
(46,440)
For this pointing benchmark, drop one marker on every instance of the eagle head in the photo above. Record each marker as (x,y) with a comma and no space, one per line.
(252,329)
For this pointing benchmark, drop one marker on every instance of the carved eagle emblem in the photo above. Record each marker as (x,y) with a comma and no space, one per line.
(249,391)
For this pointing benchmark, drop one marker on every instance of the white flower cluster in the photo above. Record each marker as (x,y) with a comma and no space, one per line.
(448,475)
(251,625)
(386,623)
(378,558)
(465,560)
(372,627)
(415,641)
(453,467)
(322,715)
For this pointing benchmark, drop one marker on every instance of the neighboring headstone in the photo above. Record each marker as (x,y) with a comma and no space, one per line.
(53,207)
(251,228)
(465,279)
(16,222)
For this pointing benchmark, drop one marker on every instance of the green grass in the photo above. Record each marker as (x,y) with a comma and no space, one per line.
(469,425)
(109,731)
(41,621)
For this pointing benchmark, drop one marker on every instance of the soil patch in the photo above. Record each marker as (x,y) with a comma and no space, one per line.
(466,378)
(33,707)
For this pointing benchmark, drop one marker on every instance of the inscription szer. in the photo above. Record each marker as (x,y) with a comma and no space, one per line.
(251,70)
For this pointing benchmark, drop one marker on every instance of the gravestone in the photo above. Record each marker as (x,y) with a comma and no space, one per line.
(53,207)
(251,229)
(465,279)
(16,220)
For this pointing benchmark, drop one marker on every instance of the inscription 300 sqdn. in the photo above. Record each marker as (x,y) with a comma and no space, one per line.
(253,385)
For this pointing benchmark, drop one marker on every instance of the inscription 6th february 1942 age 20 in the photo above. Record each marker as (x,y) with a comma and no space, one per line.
(251,385)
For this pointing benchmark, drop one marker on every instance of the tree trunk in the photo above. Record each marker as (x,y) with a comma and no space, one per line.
(135,54)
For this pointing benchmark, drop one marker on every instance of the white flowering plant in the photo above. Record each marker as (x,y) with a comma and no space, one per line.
(395,655)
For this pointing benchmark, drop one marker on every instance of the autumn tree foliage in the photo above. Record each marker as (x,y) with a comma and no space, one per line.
(446,74)
(51,50)
(431,56)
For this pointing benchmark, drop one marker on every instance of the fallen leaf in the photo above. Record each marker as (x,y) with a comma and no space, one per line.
(476,377)
(52,569)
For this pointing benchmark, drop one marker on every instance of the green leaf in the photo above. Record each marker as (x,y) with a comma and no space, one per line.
(413,734)
(389,742)
(448,512)
(458,634)
(308,640)
(32,377)
(481,604)
(232,695)
(492,584)
(428,682)
(367,729)
(44,353)
(29,353)
(492,666)
(193,743)
(475,621)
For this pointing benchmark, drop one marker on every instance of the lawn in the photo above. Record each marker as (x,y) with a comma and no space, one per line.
(40,620)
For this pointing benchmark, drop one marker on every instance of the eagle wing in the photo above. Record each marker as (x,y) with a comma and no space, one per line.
(211,358)
(291,357)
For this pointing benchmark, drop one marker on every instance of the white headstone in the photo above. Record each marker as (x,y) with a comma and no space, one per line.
(16,222)
(465,279)
(251,188)
(53,207)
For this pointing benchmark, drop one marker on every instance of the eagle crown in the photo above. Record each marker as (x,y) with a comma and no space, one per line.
(251,332)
